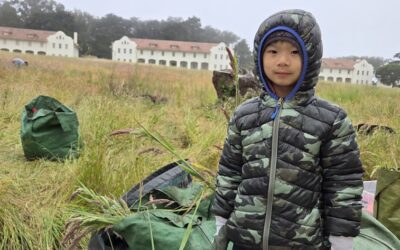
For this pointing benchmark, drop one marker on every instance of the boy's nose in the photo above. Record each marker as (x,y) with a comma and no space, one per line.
(283,59)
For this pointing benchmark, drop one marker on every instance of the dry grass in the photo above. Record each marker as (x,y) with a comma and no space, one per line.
(178,104)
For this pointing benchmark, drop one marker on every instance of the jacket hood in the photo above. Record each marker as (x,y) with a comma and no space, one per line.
(303,26)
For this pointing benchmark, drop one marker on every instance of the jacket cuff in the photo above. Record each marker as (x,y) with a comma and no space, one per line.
(341,242)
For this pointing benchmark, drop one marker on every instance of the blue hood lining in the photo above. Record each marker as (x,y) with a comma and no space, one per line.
(303,68)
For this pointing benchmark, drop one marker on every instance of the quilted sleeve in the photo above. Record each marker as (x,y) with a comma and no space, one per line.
(342,179)
(229,172)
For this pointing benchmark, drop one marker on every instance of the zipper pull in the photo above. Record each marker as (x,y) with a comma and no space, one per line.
(277,107)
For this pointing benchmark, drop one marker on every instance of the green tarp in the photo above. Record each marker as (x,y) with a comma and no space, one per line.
(165,227)
(49,130)
(375,236)
(387,209)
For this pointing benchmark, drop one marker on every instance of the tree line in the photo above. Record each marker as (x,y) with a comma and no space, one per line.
(95,34)
(389,74)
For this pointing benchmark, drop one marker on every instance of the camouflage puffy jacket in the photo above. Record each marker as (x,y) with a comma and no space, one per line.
(290,173)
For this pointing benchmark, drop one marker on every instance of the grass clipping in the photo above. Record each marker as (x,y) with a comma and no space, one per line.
(90,214)
(93,212)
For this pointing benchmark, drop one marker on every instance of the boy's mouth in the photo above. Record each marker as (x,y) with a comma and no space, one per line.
(279,73)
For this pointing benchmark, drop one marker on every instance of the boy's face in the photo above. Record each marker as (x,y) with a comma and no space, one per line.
(282,65)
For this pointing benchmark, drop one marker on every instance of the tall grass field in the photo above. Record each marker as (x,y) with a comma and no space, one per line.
(178,105)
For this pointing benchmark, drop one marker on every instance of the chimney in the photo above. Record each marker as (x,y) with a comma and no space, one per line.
(75,37)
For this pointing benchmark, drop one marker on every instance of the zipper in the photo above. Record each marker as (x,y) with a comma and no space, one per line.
(271,184)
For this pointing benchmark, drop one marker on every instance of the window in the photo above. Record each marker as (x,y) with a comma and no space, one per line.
(41,44)
(183,64)
(66,46)
(367,72)
(141,52)
(205,57)
(17,42)
(162,53)
(119,50)
(184,54)
(340,71)
(362,81)
(216,56)
(173,53)
(173,63)
(194,65)
(194,55)
(362,72)
(221,57)
(59,45)
(330,70)
(151,52)
(358,72)
(124,51)
(130,52)
(54,45)
(204,66)
(348,72)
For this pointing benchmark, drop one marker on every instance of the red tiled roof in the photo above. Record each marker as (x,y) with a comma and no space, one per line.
(330,63)
(165,45)
(25,34)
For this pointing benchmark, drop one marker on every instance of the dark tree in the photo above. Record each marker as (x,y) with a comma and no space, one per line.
(9,16)
(58,20)
(245,57)
(83,24)
(26,8)
(389,74)
(105,31)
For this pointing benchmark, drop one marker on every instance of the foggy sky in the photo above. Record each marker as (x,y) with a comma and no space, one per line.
(355,27)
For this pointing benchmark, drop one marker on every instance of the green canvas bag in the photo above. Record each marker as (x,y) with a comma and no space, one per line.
(49,130)
(165,227)
(387,209)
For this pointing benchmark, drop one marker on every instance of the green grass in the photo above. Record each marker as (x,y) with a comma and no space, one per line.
(108,96)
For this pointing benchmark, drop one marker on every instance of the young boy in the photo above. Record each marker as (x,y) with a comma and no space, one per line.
(289,176)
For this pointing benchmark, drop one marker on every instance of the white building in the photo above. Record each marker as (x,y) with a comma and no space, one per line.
(191,55)
(347,71)
(39,42)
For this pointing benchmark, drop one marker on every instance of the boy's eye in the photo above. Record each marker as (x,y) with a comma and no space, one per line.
(271,51)
(295,52)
